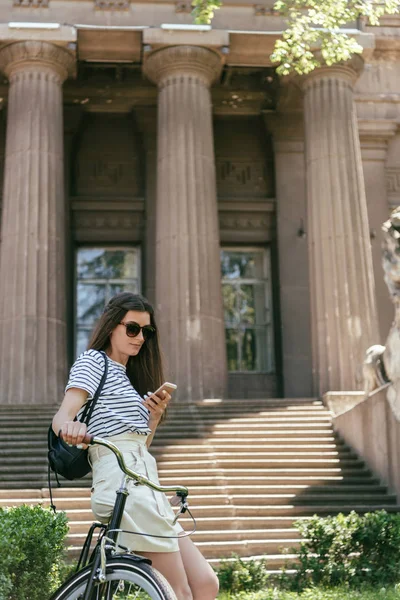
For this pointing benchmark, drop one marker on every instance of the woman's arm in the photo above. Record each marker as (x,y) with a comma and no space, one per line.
(73,432)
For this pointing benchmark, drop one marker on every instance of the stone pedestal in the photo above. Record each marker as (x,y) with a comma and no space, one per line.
(374,137)
(344,318)
(188,279)
(32,267)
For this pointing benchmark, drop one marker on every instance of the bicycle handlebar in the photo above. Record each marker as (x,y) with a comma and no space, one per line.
(180,490)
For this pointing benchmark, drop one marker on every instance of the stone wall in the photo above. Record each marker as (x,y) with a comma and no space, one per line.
(371,429)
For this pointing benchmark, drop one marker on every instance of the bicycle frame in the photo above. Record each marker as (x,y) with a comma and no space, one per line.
(116,517)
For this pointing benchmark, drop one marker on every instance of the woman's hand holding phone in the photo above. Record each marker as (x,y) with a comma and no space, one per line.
(157,401)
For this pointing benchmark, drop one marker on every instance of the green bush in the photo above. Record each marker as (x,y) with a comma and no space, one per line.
(238,575)
(338,593)
(31,551)
(349,549)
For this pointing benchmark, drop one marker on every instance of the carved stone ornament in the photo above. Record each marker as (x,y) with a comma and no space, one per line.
(32,3)
(112,4)
(233,176)
(261,10)
(20,56)
(183,7)
(177,61)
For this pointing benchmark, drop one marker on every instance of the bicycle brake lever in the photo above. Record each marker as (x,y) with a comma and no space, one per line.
(183,509)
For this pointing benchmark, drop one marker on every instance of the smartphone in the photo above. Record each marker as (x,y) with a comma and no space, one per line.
(168,387)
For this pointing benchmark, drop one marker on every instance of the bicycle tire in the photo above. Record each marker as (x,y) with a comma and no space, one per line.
(141,574)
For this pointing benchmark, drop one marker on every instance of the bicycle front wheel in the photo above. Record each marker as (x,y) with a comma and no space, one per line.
(125,580)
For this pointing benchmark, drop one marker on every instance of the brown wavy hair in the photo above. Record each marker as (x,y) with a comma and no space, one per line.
(145,370)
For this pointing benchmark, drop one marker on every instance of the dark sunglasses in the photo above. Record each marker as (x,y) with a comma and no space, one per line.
(133,329)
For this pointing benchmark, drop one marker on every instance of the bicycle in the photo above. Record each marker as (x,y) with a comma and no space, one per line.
(108,574)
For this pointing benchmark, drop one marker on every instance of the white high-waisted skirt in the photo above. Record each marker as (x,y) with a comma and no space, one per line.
(146,511)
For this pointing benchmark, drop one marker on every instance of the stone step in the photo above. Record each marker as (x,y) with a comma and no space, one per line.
(215,524)
(8,442)
(248,547)
(194,452)
(195,490)
(195,432)
(265,442)
(259,417)
(23,464)
(14,483)
(221,548)
(250,455)
(241,462)
(220,427)
(278,510)
(274,562)
(79,529)
(209,420)
(179,474)
(236,500)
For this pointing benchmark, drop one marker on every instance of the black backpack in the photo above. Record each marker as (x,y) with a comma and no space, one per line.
(69,461)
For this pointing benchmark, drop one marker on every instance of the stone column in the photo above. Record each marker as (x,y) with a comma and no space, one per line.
(32,267)
(344,317)
(374,137)
(188,279)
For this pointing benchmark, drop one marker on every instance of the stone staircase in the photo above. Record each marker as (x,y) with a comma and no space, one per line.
(252,467)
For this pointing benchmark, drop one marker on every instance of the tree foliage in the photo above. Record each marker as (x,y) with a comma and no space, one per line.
(203,10)
(313,25)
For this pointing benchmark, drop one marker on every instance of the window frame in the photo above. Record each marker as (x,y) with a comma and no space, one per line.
(137,248)
(268,325)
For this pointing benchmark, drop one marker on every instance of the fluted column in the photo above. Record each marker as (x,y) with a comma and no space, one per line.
(344,318)
(188,278)
(32,266)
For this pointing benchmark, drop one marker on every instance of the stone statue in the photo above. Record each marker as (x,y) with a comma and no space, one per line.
(382,363)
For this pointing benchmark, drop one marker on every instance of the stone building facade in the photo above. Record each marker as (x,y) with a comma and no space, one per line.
(139,152)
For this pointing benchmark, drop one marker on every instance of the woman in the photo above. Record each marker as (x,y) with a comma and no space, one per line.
(127,333)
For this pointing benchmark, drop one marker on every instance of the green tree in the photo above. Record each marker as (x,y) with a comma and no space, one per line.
(313,24)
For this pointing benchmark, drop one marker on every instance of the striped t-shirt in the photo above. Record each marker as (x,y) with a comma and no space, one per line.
(119,408)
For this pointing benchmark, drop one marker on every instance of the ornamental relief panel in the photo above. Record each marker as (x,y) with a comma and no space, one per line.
(112,4)
(108,158)
(108,226)
(251,227)
(102,173)
(32,3)
(237,176)
(244,159)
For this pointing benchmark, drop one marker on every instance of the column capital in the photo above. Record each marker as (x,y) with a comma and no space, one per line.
(37,55)
(347,71)
(195,61)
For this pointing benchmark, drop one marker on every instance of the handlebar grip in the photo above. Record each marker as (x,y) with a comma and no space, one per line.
(88,439)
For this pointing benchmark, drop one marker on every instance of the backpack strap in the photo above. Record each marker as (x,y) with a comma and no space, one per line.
(88,411)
